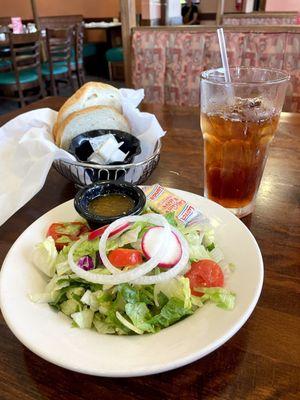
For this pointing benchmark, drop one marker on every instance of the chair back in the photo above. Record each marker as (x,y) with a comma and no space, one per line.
(5,62)
(59,46)
(25,53)
(79,36)
(4,29)
(61,21)
(5,21)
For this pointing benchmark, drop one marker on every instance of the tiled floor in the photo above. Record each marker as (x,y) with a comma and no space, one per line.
(7,106)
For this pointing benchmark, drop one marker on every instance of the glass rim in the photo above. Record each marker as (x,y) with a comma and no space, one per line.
(284,76)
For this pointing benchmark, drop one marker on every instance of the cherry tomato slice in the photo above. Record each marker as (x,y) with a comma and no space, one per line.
(125,257)
(66,232)
(205,273)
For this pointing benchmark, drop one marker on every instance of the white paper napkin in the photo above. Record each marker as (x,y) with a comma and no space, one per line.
(27,150)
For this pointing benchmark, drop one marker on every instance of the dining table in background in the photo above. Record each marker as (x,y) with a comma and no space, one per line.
(262,360)
(93,32)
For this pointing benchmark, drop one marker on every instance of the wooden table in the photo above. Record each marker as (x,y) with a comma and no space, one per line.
(93,34)
(262,360)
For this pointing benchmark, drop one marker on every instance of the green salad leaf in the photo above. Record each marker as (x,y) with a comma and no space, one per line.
(221,296)
(172,312)
(178,287)
(45,255)
(140,316)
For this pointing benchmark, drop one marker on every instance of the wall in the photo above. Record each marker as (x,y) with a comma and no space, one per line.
(283,5)
(174,8)
(17,8)
(151,9)
(138,6)
(210,6)
(89,8)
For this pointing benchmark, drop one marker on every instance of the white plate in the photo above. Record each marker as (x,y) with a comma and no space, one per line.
(50,335)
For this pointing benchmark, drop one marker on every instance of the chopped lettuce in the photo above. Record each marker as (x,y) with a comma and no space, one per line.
(135,294)
(86,298)
(63,268)
(140,316)
(75,292)
(83,319)
(197,250)
(44,256)
(68,228)
(196,301)
(42,297)
(102,326)
(171,218)
(128,237)
(171,312)
(86,248)
(209,237)
(200,239)
(70,306)
(178,287)
(221,296)
(127,324)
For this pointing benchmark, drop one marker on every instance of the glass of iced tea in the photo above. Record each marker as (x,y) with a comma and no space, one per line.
(238,123)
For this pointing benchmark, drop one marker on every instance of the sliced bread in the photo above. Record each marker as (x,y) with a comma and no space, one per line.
(96,117)
(90,94)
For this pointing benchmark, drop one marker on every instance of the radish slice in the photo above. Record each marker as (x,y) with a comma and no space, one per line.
(153,238)
(120,229)
(150,264)
(114,279)
(172,272)
(135,275)
(99,232)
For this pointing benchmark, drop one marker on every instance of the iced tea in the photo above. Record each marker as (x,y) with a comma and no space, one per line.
(236,141)
(239,115)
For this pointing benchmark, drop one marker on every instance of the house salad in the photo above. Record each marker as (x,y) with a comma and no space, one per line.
(140,274)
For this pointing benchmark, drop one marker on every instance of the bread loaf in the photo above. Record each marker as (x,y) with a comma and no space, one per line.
(90,94)
(88,119)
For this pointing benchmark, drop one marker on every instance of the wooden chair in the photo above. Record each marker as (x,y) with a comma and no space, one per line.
(59,22)
(115,61)
(26,69)
(58,67)
(77,56)
(64,22)
(5,21)
(5,61)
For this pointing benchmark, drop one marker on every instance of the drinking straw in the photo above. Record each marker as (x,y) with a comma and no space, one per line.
(224,58)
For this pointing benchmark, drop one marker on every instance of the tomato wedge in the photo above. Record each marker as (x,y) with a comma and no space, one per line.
(125,257)
(205,273)
(66,232)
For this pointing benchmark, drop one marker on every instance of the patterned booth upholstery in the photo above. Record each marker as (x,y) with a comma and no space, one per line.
(261,19)
(167,62)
